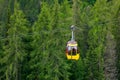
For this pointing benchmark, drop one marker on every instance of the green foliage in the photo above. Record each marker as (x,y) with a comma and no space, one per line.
(116,31)
(45,58)
(2,65)
(96,40)
(14,51)
(39,54)
(36,50)
(31,8)
(90,2)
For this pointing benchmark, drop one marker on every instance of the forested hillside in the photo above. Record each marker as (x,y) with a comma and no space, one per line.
(34,33)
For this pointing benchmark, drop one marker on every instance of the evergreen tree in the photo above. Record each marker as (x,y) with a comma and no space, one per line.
(65,20)
(39,55)
(96,39)
(110,51)
(5,21)
(112,48)
(36,50)
(31,8)
(55,15)
(57,43)
(66,13)
(117,38)
(2,65)
(46,64)
(14,51)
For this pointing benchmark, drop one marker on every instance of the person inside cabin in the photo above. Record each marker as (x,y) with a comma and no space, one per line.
(73,51)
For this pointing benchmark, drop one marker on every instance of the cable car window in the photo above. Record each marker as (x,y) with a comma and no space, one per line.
(74,51)
(75,47)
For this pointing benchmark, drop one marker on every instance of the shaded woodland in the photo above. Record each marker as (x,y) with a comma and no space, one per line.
(34,33)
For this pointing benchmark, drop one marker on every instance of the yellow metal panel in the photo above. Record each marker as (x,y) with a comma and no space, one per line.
(72,44)
(75,57)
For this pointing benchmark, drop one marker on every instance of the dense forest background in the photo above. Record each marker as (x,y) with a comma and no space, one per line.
(34,33)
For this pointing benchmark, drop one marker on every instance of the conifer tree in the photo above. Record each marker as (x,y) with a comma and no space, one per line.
(76,12)
(111,70)
(58,52)
(39,54)
(66,13)
(2,65)
(45,41)
(117,38)
(14,51)
(37,51)
(65,20)
(4,26)
(96,39)
(31,8)
(55,15)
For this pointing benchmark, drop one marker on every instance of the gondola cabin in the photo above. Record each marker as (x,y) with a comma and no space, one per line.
(72,50)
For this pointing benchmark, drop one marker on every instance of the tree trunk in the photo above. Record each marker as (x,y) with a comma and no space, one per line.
(110,58)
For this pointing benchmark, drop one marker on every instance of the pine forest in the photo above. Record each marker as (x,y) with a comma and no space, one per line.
(36,41)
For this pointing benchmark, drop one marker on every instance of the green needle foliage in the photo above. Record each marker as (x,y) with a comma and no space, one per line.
(14,51)
(34,33)
(39,54)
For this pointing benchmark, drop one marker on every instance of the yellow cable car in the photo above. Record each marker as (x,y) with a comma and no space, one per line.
(72,50)
(72,47)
